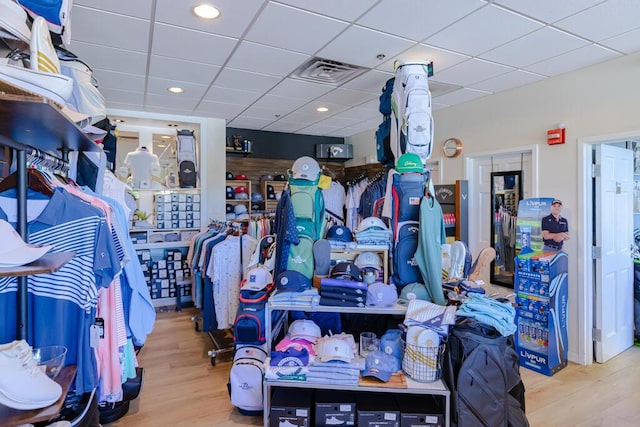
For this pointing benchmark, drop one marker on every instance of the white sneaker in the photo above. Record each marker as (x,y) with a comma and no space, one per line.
(23,384)
(458,254)
(56,87)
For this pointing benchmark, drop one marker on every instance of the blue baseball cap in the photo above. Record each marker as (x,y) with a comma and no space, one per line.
(381,295)
(346,270)
(391,343)
(340,233)
(380,365)
(292,281)
(413,291)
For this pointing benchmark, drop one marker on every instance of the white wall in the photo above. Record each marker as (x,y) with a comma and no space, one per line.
(598,100)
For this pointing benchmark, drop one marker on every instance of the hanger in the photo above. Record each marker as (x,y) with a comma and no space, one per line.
(328,172)
(35,181)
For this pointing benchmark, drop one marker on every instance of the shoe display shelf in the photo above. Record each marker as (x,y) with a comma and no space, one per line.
(453,199)
(235,183)
(435,388)
(352,253)
(278,186)
(28,124)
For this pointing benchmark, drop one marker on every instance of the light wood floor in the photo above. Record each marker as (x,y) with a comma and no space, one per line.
(181,388)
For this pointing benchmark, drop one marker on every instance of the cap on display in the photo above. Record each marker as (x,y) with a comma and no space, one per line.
(264,178)
(413,291)
(391,343)
(334,348)
(292,281)
(409,162)
(380,365)
(381,295)
(271,196)
(14,251)
(279,177)
(368,259)
(242,196)
(240,209)
(230,175)
(256,207)
(304,329)
(558,201)
(241,177)
(305,167)
(229,208)
(371,222)
(256,197)
(346,270)
(258,278)
(340,233)
(241,189)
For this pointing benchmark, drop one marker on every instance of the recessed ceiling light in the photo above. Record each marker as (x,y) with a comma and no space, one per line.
(172,125)
(162,145)
(206,11)
(175,89)
(165,137)
(322,109)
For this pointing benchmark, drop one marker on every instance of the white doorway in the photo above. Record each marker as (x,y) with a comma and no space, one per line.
(606,278)
(478,168)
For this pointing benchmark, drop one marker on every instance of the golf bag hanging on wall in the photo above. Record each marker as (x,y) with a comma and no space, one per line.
(187,164)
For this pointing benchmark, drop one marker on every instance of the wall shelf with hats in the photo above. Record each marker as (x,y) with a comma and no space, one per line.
(352,253)
(238,193)
(270,191)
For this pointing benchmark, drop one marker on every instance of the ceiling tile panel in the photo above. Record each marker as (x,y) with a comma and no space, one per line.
(462,95)
(347,10)
(360,46)
(191,90)
(177,69)
(573,60)
(103,58)
(173,102)
(283,126)
(123,96)
(245,80)
(472,71)
(249,122)
(231,96)
(339,122)
(605,20)
(483,30)
(371,81)
(362,113)
(218,109)
(417,19)
(279,104)
(347,97)
(534,47)
(627,42)
(293,88)
(139,8)
(112,80)
(508,81)
(288,28)
(442,59)
(275,61)
(132,33)
(318,129)
(311,109)
(548,10)
(191,45)
(235,16)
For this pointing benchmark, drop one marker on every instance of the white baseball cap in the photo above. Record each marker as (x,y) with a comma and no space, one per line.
(372,221)
(368,259)
(305,167)
(14,251)
(334,348)
(258,278)
(305,329)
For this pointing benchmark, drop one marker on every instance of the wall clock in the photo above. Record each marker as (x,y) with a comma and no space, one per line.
(452,147)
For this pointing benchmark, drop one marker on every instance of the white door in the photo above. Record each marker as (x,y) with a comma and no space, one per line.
(613,204)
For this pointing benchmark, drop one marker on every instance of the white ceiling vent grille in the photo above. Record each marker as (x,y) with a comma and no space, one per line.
(321,70)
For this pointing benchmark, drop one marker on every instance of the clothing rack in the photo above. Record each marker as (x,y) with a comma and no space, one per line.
(40,160)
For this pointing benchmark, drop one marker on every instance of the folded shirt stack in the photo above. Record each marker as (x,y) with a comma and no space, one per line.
(306,298)
(343,293)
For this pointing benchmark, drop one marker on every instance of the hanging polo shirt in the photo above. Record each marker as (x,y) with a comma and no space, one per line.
(62,305)
(429,254)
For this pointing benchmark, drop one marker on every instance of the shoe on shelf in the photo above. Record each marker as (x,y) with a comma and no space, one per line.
(458,257)
(23,384)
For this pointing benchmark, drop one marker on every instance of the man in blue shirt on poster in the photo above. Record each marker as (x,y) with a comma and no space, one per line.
(555,228)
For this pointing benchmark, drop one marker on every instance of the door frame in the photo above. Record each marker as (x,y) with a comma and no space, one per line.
(585,306)
(470,162)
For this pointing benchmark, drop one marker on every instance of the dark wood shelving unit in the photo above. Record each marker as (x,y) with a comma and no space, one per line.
(48,263)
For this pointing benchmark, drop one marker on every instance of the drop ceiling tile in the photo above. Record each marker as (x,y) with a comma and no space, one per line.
(472,71)
(128,62)
(249,123)
(112,80)
(289,28)
(339,122)
(340,9)
(319,129)
(438,88)
(507,81)
(371,81)
(125,106)
(442,59)
(283,126)
(191,90)
(604,20)
(548,10)
(234,16)
(231,96)
(435,106)
(311,109)
(573,60)
(139,8)
(274,61)
(347,97)
(483,30)
(462,95)
(360,46)
(123,96)
(534,47)
(164,67)
(245,80)
(293,88)
(172,102)
(279,104)
(166,110)
(417,19)
(362,113)
(133,33)
(627,42)
(218,109)
(261,113)
(191,45)
(305,118)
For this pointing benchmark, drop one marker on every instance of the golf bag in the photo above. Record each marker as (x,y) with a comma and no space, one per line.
(187,165)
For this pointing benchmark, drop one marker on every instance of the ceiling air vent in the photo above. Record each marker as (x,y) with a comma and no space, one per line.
(321,70)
